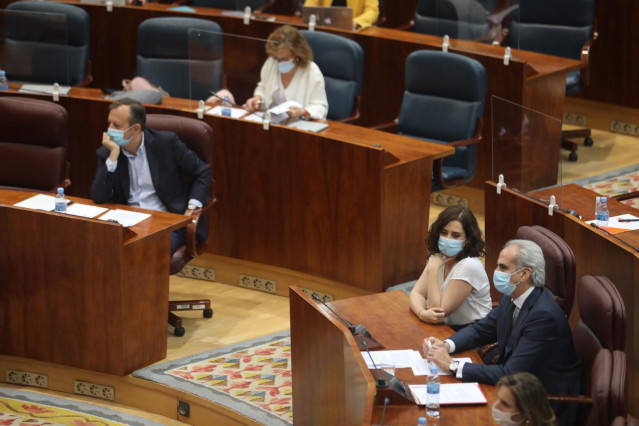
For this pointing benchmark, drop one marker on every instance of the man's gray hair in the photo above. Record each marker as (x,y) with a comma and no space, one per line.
(530,256)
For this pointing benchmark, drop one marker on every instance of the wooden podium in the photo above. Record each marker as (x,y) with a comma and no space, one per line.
(331,382)
(83,292)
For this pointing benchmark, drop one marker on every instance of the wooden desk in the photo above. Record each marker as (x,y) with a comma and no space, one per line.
(595,252)
(533,80)
(349,204)
(83,292)
(329,371)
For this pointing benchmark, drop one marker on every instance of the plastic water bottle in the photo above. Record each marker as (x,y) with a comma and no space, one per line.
(602,213)
(597,203)
(226,107)
(432,393)
(60,201)
(4,83)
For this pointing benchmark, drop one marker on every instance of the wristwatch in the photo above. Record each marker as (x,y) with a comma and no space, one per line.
(453,366)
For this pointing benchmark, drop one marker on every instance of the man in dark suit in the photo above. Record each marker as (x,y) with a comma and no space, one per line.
(143,168)
(532,331)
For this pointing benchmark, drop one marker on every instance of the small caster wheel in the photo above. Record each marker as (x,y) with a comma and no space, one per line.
(572,156)
(588,141)
(179,331)
(208,313)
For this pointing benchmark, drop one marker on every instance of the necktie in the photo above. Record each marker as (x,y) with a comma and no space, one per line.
(511,311)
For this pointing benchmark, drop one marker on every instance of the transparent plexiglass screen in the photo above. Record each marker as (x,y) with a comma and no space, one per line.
(478,20)
(35,48)
(526,147)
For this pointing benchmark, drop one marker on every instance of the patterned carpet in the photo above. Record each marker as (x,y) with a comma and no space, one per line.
(617,185)
(252,378)
(20,407)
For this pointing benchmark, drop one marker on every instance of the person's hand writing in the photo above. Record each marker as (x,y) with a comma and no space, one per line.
(253,104)
(432,315)
(295,112)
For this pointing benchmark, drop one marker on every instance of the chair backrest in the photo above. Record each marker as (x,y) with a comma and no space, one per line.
(33,143)
(184,56)
(594,336)
(461,19)
(46,42)
(560,264)
(443,99)
(555,28)
(341,61)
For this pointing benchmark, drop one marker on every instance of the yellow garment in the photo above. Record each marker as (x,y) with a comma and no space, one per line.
(365,12)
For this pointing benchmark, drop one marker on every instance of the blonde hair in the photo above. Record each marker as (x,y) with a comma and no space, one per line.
(288,37)
(530,397)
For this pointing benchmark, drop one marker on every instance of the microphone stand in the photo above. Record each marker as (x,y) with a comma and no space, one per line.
(359,332)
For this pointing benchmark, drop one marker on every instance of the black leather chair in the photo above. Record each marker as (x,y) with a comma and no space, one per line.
(565,28)
(341,61)
(198,137)
(443,103)
(257,6)
(33,144)
(46,42)
(599,337)
(165,59)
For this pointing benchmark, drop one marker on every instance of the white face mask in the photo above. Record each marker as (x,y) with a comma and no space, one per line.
(504,419)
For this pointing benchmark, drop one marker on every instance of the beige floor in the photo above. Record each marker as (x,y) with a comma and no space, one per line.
(241,314)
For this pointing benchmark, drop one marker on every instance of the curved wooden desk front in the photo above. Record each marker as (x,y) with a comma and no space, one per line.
(331,383)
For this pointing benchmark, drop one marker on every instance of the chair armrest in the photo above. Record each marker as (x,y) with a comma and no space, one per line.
(585,55)
(575,399)
(486,348)
(355,115)
(438,164)
(192,248)
(267,4)
(406,26)
(390,126)
(88,77)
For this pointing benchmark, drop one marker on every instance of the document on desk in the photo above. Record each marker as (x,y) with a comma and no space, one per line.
(421,368)
(43,88)
(124,217)
(616,224)
(309,126)
(258,117)
(85,210)
(39,202)
(452,393)
(399,358)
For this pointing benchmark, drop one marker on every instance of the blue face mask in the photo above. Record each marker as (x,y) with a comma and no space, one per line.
(286,66)
(501,280)
(117,136)
(450,247)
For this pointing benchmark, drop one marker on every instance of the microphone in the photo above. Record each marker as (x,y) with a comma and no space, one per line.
(386,401)
(381,380)
(224,100)
(594,225)
(352,327)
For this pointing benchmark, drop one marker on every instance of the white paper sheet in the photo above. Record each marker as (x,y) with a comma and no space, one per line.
(124,217)
(451,393)
(309,126)
(39,202)
(257,117)
(279,113)
(85,210)
(400,358)
(421,368)
(43,88)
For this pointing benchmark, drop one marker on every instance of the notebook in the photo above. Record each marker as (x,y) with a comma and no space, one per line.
(335,16)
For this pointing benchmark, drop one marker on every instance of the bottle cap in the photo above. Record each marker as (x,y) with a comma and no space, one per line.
(421,421)
(60,190)
(604,199)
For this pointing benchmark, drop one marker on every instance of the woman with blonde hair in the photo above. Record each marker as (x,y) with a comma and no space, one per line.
(289,74)
(522,400)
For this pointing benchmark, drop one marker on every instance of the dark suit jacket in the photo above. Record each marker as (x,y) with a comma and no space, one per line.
(169,160)
(540,343)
